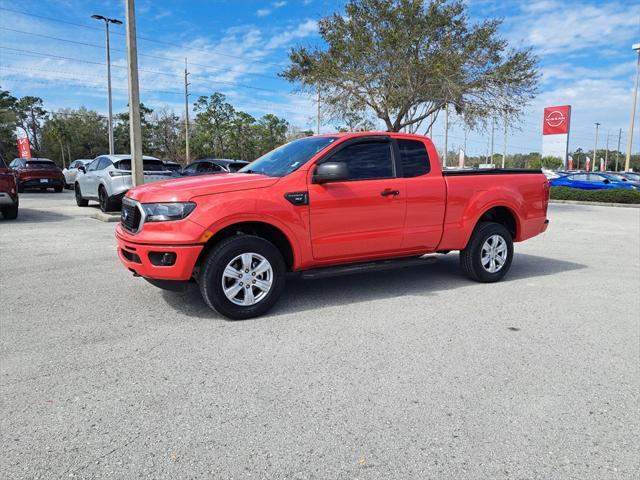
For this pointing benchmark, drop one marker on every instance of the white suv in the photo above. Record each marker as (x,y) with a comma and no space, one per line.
(71,171)
(108,178)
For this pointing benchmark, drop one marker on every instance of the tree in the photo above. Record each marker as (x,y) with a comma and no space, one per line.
(121,132)
(8,119)
(212,124)
(405,60)
(272,132)
(167,136)
(70,134)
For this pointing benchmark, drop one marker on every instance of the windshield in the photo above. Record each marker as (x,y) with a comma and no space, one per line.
(634,177)
(289,157)
(619,178)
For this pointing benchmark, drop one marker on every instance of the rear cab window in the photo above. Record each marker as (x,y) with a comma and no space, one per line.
(414,158)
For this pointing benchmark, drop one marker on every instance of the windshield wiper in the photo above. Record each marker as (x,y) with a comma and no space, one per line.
(258,172)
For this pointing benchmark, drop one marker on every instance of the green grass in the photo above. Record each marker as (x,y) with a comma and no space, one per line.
(613,195)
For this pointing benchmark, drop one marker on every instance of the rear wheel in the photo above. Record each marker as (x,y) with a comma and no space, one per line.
(81,202)
(242,277)
(489,252)
(20,188)
(57,189)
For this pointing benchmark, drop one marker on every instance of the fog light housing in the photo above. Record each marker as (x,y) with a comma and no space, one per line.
(162,259)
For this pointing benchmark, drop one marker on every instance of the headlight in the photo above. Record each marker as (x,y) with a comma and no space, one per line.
(166,212)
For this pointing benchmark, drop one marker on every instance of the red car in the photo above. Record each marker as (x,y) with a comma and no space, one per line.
(8,192)
(325,205)
(37,173)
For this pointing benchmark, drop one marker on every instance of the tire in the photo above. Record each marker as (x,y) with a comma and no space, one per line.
(20,188)
(487,235)
(106,203)
(10,212)
(81,202)
(57,189)
(228,253)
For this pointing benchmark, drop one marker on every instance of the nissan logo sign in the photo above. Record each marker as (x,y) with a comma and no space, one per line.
(555,118)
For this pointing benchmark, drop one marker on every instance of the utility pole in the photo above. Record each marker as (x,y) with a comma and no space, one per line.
(135,129)
(493,127)
(107,21)
(504,152)
(627,162)
(595,150)
(186,112)
(446,134)
(606,151)
(318,112)
(618,150)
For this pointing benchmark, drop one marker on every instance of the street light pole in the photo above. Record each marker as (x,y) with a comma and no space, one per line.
(107,21)
(627,162)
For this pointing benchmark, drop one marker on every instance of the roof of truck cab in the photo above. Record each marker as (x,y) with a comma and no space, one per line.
(368,134)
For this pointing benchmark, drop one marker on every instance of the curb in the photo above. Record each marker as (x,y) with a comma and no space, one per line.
(597,204)
(106,217)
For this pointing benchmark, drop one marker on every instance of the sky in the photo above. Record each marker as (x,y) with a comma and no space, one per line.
(54,50)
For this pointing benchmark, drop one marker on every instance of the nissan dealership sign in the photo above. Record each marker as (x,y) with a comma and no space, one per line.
(555,132)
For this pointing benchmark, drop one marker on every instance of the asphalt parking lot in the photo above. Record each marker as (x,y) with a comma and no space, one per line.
(415,373)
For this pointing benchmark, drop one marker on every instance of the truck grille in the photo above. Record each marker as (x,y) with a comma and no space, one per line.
(130,217)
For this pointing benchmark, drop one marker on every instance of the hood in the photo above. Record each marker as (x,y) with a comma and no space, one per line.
(184,189)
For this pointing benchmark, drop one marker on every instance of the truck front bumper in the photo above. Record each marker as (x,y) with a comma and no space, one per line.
(158,262)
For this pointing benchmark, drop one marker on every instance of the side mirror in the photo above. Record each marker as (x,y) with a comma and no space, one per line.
(606,181)
(82,169)
(331,172)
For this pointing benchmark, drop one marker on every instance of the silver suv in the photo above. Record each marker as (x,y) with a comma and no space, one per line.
(108,178)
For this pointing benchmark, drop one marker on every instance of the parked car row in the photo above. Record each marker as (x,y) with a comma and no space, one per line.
(597,180)
(107,178)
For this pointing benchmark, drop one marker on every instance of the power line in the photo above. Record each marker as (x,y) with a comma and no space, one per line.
(156,57)
(147,39)
(265,107)
(50,55)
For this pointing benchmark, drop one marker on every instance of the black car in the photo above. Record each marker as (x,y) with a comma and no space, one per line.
(173,167)
(208,166)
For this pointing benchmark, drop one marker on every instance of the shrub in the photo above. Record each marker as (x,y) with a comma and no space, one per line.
(612,195)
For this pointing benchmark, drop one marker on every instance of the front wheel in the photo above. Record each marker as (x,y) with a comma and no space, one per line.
(106,203)
(81,202)
(487,257)
(242,277)
(10,212)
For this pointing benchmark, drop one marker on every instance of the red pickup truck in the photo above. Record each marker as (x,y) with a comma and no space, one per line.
(323,205)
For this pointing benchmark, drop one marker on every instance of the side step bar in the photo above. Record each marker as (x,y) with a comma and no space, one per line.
(324,272)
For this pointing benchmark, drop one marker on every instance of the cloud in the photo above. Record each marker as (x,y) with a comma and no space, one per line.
(553,27)
(303,30)
(263,12)
(279,4)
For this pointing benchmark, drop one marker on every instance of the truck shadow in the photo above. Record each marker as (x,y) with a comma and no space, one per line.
(422,281)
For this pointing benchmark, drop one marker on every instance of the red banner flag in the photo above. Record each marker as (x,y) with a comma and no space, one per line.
(23,143)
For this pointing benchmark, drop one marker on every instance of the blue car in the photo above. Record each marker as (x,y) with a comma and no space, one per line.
(591,181)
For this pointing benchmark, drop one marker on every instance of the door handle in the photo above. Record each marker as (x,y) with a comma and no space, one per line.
(388,192)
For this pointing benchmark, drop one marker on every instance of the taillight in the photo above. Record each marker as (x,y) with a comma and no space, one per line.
(118,173)
(546,190)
